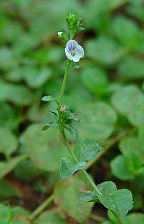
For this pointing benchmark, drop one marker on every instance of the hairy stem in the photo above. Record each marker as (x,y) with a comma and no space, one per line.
(41,207)
(64,82)
(92,184)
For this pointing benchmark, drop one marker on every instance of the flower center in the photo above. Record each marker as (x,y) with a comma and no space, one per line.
(73,53)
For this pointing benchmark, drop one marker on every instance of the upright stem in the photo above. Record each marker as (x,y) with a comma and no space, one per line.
(64,82)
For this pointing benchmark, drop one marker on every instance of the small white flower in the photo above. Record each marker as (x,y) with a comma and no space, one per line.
(74,51)
(60,33)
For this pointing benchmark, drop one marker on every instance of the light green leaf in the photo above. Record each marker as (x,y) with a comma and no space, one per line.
(73,131)
(88,150)
(45,151)
(120,170)
(133,161)
(136,117)
(134,218)
(131,68)
(69,167)
(119,201)
(8,142)
(87,196)
(48,98)
(94,79)
(104,50)
(133,143)
(36,77)
(98,120)
(127,99)
(17,94)
(141,135)
(51,217)
(6,167)
(66,196)
(127,32)
(7,59)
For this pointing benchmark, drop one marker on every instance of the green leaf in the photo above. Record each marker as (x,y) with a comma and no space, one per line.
(29,42)
(127,99)
(133,161)
(17,94)
(44,151)
(7,116)
(87,196)
(72,116)
(69,167)
(6,214)
(134,218)
(51,124)
(98,121)
(131,67)
(36,77)
(8,190)
(48,98)
(141,136)
(66,193)
(73,131)
(6,167)
(51,217)
(8,142)
(94,79)
(104,50)
(26,171)
(118,201)
(127,32)
(134,144)
(7,59)
(120,170)
(88,150)
(136,117)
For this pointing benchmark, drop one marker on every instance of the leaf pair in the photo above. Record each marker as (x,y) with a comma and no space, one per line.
(118,201)
(87,150)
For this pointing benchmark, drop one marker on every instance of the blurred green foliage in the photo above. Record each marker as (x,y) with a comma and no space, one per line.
(107,92)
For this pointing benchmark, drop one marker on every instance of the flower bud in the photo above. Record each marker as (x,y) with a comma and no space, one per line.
(63,35)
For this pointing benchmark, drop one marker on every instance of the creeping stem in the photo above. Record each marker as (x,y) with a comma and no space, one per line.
(41,207)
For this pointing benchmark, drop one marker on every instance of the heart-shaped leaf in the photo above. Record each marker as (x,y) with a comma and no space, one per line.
(118,201)
(69,167)
(89,149)
(88,196)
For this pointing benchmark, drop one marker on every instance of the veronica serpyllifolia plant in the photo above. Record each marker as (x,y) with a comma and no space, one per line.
(119,202)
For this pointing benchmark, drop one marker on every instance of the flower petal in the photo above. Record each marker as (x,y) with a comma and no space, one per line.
(76,58)
(80,51)
(71,44)
(69,56)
